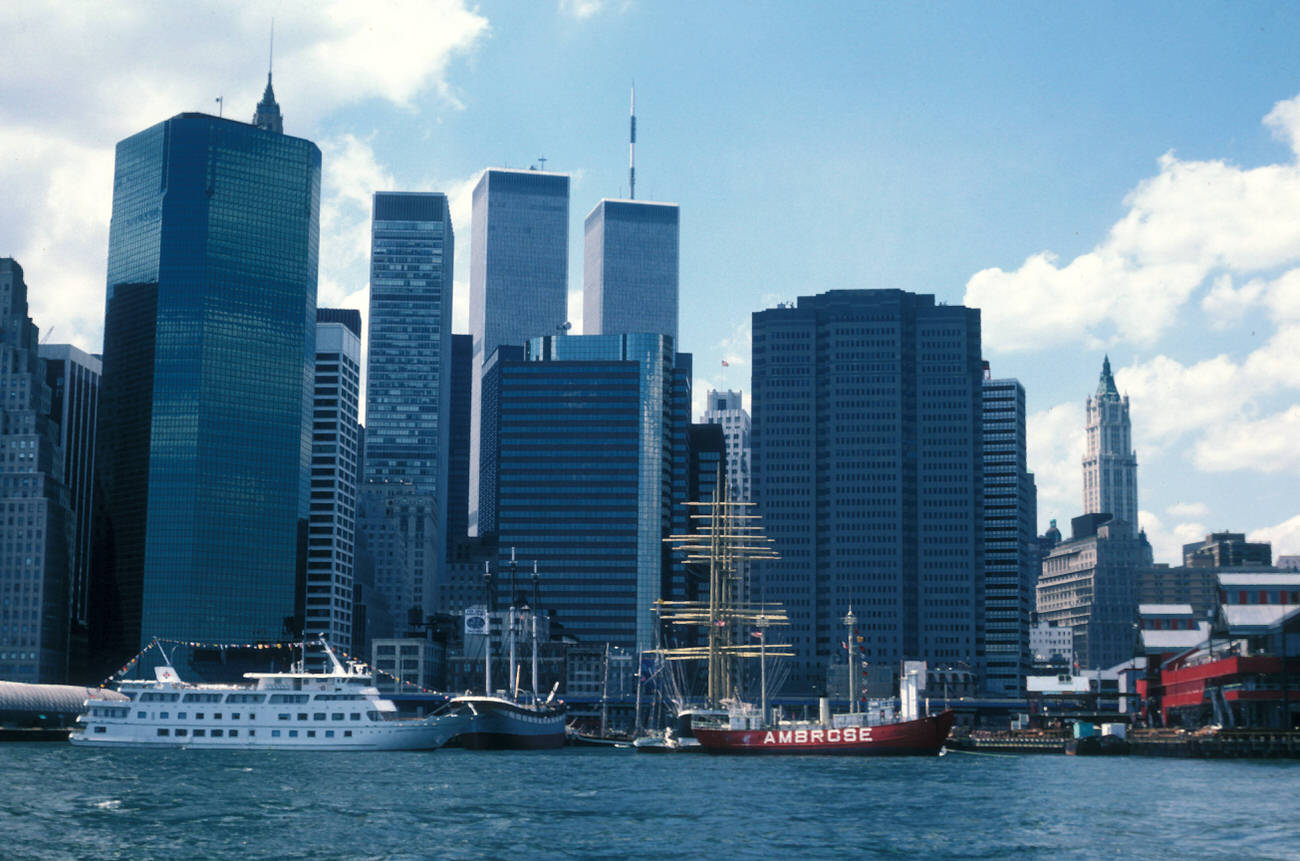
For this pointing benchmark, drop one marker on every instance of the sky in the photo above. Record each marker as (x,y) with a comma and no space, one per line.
(1099,178)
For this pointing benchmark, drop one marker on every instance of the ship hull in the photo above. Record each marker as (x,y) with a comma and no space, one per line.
(408,734)
(922,737)
(498,724)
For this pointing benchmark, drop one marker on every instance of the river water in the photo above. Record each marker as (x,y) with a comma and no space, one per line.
(60,801)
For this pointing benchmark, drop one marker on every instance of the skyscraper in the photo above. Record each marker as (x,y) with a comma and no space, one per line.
(867,473)
(1011,559)
(1110,464)
(331,546)
(408,389)
(73,378)
(629,275)
(1089,583)
(204,442)
(462,366)
(518,277)
(587,471)
(36,523)
(725,409)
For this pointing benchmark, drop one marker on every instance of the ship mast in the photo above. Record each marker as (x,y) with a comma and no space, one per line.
(534,621)
(724,533)
(487,633)
(510,617)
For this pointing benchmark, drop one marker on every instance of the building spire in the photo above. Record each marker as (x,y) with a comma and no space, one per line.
(267,115)
(1106,386)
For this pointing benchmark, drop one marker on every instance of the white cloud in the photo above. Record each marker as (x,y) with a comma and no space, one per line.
(1167,541)
(1188,509)
(1267,445)
(1191,222)
(80,77)
(1055,450)
(580,9)
(1284,536)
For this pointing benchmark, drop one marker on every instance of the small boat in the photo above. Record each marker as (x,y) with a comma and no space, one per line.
(578,738)
(335,710)
(680,736)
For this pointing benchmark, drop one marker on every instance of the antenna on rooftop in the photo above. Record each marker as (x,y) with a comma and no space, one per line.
(541,159)
(270,53)
(631,151)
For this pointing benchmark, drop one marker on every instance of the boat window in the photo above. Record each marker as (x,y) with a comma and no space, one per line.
(171,698)
(337,716)
(284,717)
(162,730)
(199,733)
(182,731)
(252,716)
(234,715)
(216,716)
(355,716)
(140,715)
(374,715)
(293,733)
(234,732)
(289,698)
(182,715)
(311,733)
(198,715)
(347,733)
(275,733)
(254,732)
(302,715)
(318,716)
(164,715)
(101,729)
(216,733)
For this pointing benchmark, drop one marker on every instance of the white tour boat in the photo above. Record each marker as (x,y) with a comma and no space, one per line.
(335,710)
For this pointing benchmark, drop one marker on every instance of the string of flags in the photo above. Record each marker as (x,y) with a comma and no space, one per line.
(198,644)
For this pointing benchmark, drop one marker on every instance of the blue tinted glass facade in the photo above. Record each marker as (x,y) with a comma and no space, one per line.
(867,470)
(1010,548)
(216,222)
(629,275)
(588,432)
(518,279)
(462,364)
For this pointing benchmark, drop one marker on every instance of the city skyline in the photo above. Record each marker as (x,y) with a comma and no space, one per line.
(1052,173)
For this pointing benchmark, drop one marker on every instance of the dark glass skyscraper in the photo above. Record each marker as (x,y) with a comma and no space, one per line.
(408,390)
(591,429)
(462,366)
(867,472)
(518,276)
(204,440)
(1011,562)
(73,378)
(629,275)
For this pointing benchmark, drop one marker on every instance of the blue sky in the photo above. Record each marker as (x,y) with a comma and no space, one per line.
(1096,178)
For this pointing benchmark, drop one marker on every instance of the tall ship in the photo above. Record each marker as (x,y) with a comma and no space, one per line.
(511,719)
(724,533)
(337,709)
